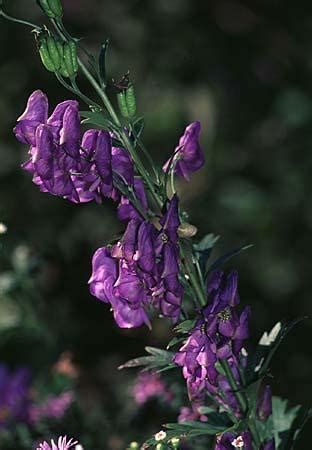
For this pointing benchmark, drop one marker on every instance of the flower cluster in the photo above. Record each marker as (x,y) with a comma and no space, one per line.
(141,271)
(54,407)
(80,169)
(218,335)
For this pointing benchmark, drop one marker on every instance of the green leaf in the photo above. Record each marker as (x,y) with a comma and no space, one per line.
(158,359)
(97,118)
(223,259)
(185,326)
(283,418)
(192,429)
(204,248)
(138,126)
(174,341)
(298,425)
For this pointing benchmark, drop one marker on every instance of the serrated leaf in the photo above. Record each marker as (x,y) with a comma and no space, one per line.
(158,359)
(193,429)
(174,341)
(185,326)
(283,418)
(97,119)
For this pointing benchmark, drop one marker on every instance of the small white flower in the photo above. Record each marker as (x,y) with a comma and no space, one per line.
(3,228)
(267,339)
(160,436)
(78,447)
(238,442)
(244,352)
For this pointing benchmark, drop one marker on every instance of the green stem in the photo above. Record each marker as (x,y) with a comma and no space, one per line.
(101,93)
(235,388)
(19,21)
(189,270)
(255,434)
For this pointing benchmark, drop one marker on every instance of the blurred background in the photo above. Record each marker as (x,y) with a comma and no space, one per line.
(244,70)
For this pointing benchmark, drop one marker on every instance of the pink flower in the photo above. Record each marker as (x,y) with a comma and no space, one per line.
(62,444)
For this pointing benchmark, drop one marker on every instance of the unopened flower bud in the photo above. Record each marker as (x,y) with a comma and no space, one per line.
(51,52)
(186,230)
(126,102)
(264,406)
(52,8)
(175,442)
(160,446)
(69,67)
(133,445)
(130,100)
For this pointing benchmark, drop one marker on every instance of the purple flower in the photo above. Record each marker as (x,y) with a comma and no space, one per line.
(188,156)
(114,282)
(141,271)
(170,292)
(52,166)
(218,335)
(264,404)
(221,316)
(53,407)
(231,441)
(14,396)
(149,385)
(64,165)
(61,444)
(36,113)
(126,210)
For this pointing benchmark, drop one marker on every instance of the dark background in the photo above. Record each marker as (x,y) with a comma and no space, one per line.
(242,69)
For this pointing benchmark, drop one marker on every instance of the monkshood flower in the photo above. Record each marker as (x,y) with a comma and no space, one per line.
(188,156)
(130,311)
(126,211)
(264,404)
(63,164)
(62,444)
(219,334)
(14,396)
(149,385)
(141,271)
(231,441)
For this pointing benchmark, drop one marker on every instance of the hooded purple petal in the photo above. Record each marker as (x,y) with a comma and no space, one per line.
(36,113)
(264,405)
(70,131)
(188,156)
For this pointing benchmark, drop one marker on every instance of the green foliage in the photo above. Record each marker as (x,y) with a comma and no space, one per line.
(158,359)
